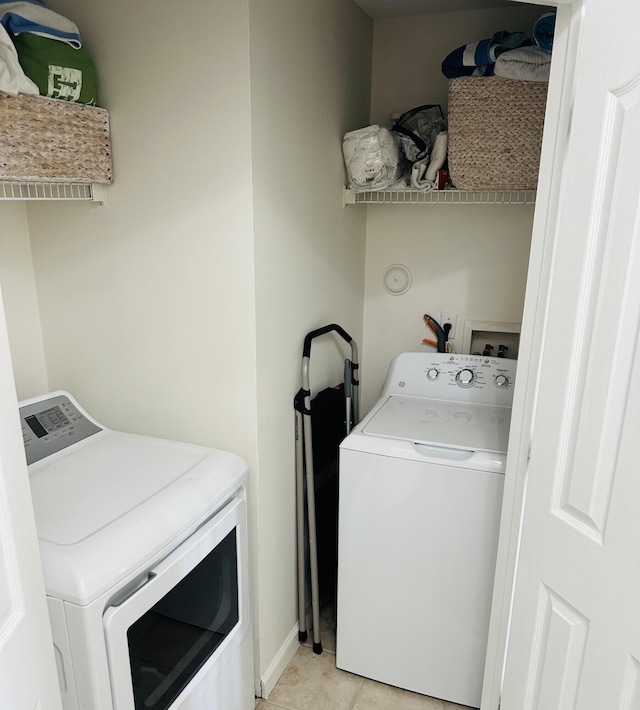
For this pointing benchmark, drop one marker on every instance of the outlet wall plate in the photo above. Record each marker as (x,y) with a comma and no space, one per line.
(450,318)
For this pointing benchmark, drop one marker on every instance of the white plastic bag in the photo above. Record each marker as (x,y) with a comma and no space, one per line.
(372,159)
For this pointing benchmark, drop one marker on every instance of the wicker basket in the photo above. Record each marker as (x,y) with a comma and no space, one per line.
(50,140)
(495,132)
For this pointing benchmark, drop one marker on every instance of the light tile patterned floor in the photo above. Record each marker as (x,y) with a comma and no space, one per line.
(312,682)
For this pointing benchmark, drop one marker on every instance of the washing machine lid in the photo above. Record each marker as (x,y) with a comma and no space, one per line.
(456,425)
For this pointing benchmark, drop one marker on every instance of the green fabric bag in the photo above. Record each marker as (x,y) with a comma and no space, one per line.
(59,70)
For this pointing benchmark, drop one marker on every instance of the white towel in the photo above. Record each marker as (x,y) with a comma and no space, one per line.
(418,176)
(13,80)
(424,173)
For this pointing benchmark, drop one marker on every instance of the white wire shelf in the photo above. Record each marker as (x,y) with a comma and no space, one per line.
(449,196)
(91,192)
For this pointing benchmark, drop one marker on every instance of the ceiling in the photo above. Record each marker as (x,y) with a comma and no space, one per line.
(396,8)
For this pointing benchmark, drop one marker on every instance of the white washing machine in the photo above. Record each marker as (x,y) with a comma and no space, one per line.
(421,482)
(145,555)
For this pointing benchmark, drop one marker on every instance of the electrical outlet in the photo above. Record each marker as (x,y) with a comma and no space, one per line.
(449,318)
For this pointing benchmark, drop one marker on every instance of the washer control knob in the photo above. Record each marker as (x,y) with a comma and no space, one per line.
(502,380)
(432,373)
(466,378)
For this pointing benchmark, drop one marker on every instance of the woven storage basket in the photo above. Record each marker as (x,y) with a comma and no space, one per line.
(495,132)
(50,140)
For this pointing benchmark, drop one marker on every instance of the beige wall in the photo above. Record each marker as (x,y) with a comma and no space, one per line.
(20,301)
(147,305)
(310,72)
(468,260)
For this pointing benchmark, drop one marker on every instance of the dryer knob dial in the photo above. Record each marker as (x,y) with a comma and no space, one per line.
(432,373)
(502,380)
(466,378)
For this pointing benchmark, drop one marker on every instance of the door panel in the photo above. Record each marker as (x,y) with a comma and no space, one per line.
(575,634)
(606,325)
(561,633)
(27,668)
(630,699)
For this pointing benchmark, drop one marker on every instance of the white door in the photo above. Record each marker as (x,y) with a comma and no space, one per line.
(574,641)
(28,678)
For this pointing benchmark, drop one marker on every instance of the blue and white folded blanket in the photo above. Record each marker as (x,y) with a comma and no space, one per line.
(33,16)
(478,58)
(524,64)
(544,29)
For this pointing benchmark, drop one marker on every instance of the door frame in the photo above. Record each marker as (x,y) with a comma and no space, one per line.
(554,146)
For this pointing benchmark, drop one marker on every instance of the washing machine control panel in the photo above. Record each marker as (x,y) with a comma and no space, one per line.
(470,378)
(50,425)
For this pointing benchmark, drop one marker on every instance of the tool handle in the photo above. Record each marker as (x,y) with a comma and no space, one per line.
(347,379)
(306,350)
(440,333)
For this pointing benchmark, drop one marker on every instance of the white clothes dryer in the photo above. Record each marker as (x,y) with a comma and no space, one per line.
(421,482)
(144,549)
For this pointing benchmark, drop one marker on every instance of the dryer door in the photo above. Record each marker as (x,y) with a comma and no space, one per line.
(167,639)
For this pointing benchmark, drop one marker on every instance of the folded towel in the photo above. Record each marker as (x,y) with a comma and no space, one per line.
(13,80)
(33,16)
(418,177)
(524,64)
(543,30)
(424,173)
(478,58)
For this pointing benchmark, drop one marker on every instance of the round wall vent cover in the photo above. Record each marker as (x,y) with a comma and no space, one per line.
(396,279)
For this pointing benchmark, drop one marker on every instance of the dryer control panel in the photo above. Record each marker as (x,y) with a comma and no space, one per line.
(469,378)
(52,423)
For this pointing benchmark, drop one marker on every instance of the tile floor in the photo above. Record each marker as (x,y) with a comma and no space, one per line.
(312,682)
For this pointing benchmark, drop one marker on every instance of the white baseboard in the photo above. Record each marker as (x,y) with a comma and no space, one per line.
(279,663)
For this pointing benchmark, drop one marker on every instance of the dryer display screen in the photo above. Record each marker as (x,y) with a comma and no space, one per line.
(50,425)
(47,422)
